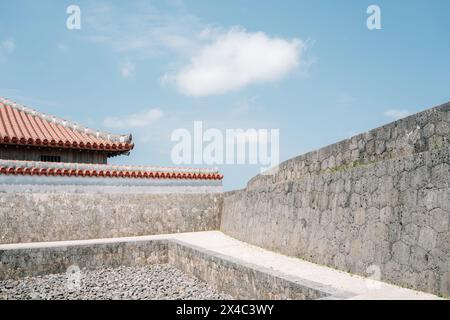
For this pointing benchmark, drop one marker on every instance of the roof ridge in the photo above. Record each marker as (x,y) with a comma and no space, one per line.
(91,166)
(66,123)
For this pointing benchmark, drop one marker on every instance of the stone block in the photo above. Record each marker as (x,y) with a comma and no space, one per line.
(439,220)
(401,252)
(427,238)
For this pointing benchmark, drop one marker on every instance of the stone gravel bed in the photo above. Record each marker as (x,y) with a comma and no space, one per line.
(151,282)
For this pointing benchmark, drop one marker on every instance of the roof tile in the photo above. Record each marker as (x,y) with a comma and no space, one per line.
(20,167)
(21,125)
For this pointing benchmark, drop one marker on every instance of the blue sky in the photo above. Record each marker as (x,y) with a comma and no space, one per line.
(131,66)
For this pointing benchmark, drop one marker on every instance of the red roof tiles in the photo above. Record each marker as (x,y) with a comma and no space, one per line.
(20,125)
(17,167)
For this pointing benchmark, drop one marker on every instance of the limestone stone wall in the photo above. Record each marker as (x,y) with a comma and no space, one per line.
(378,203)
(243,280)
(36,217)
(424,131)
(391,217)
(16,263)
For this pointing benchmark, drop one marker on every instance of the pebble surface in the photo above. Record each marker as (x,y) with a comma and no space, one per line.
(124,283)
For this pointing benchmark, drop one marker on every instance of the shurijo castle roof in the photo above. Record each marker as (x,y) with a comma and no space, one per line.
(37,168)
(20,125)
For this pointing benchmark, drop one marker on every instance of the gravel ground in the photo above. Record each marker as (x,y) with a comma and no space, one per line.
(152,282)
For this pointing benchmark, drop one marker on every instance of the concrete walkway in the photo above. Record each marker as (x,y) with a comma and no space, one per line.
(216,241)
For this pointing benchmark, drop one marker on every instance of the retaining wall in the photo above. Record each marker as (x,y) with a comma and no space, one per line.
(223,273)
(375,204)
(243,280)
(51,259)
(425,131)
(37,217)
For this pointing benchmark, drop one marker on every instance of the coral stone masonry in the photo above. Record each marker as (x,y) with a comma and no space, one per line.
(377,202)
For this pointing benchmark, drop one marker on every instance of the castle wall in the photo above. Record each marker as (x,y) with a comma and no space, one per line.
(360,208)
(424,131)
(37,216)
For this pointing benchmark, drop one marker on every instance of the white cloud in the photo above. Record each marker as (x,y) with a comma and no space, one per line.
(136,120)
(396,113)
(236,59)
(6,48)
(127,69)
(205,59)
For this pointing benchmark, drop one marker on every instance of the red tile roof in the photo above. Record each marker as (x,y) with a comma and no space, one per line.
(20,125)
(19,167)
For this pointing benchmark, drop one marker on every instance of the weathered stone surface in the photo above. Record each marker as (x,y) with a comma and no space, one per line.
(440,220)
(401,252)
(388,207)
(23,262)
(425,131)
(36,217)
(427,238)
